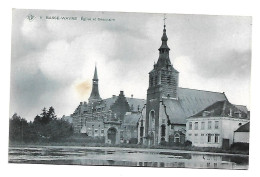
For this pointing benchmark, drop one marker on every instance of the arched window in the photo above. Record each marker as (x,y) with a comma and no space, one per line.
(141,131)
(177,138)
(152,120)
(163,130)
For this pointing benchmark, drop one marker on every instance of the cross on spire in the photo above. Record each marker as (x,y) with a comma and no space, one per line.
(164,20)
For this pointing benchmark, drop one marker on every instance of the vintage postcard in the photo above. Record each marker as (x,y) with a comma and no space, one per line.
(130,89)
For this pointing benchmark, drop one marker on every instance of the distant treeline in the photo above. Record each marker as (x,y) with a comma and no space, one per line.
(45,128)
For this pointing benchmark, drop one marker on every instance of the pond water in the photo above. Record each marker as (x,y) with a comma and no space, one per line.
(64,155)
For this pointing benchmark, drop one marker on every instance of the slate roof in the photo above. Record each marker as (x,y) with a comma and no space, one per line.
(174,111)
(244,128)
(193,101)
(242,108)
(82,107)
(131,119)
(107,103)
(190,102)
(224,109)
(133,103)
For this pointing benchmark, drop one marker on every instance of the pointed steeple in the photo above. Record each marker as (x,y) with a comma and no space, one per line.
(95,74)
(94,96)
(164,40)
(164,59)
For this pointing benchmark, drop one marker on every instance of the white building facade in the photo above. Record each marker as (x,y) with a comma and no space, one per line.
(215,126)
(212,131)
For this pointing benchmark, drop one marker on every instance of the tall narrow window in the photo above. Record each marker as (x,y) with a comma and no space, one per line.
(190,125)
(216,138)
(216,124)
(209,138)
(163,130)
(152,120)
(209,125)
(141,131)
(202,125)
(196,126)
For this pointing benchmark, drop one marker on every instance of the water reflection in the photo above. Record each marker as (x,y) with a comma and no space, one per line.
(124,157)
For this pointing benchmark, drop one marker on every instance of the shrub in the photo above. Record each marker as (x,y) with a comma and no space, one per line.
(133,141)
(240,147)
(188,143)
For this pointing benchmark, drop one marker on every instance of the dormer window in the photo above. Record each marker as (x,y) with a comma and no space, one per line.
(238,114)
(205,113)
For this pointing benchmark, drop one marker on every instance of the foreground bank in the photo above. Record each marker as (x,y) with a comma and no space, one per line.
(120,156)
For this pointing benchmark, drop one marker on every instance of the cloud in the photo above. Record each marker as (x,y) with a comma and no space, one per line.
(229,64)
(53,61)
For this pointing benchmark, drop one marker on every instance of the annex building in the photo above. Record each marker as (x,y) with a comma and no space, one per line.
(114,118)
(161,118)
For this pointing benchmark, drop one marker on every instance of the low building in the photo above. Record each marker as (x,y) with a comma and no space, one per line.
(241,135)
(129,127)
(215,125)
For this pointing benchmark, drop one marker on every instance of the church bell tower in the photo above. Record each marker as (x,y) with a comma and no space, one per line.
(163,84)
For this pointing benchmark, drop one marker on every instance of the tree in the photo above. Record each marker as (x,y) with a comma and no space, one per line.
(45,127)
(51,114)
(18,128)
(44,116)
(37,119)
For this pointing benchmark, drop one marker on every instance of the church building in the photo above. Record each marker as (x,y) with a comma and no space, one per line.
(163,119)
(160,119)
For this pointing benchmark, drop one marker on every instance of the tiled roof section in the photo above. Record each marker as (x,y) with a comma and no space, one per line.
(193,101)
(131,119)
(82,107)
(222,108)
(244,128)
(174,111)
(134,103)
(242,108)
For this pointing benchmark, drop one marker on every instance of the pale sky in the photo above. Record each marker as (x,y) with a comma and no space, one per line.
(53,60)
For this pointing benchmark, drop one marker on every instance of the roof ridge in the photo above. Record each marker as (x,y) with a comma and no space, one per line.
(125,97)
(202,90)
(136,98)
(239,105)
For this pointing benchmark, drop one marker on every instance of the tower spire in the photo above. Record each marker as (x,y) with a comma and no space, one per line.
(164,59)
(164,21)
(95,73)
(94,96)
